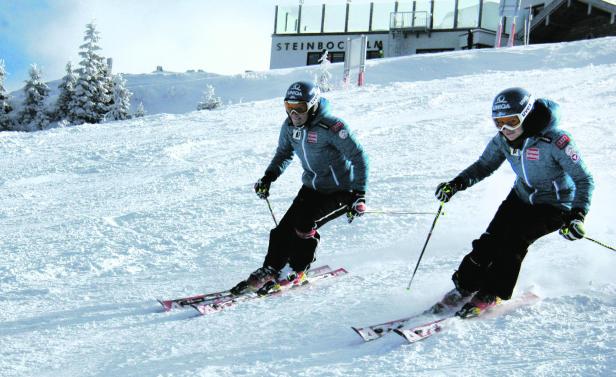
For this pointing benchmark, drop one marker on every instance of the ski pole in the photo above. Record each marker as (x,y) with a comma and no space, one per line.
(271,211)
(385,212)
(600,243)
(438,213)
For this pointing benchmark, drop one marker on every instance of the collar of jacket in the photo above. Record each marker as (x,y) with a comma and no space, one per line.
(540,120)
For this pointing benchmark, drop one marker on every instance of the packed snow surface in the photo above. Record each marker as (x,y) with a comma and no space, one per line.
(98,221)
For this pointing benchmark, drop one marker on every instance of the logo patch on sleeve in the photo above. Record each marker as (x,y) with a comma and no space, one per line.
(563,141)
(337,127)
(573,154)
(343,134)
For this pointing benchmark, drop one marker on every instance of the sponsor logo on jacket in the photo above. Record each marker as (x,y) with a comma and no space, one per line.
(337,127)
(532,154)
(562,141)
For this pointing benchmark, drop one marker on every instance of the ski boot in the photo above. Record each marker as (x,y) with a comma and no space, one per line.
(451,300)
(480,302)
(294,279)
(276,285)
(255,281)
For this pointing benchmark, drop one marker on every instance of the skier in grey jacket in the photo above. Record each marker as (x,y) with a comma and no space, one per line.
(334,183)
(552,191)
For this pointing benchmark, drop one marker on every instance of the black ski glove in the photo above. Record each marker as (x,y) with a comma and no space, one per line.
(263,185)
(356,205)
(574,225)
(445,190)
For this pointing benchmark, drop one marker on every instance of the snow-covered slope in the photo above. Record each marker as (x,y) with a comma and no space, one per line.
(97,221)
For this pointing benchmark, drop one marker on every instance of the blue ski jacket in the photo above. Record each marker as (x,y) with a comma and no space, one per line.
(548,165)
(332,158)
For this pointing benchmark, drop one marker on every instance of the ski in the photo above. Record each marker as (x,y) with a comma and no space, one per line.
(373,332)
(417,333)
(185,301)
(217,296)
(218,305)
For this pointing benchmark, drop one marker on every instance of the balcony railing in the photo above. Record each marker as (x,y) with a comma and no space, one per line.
(409,21)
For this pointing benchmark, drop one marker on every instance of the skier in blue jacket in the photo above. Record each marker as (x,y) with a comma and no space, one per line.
(334,183)
(552,191)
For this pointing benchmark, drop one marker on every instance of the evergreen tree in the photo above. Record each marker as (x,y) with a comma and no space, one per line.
(120,107)
(209,100)
(324,78)
(108,84)
(92,96)
(33,115)
(67,95)
(140,111)
(5,106)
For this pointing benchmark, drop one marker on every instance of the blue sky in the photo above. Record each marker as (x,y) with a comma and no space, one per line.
(225,37)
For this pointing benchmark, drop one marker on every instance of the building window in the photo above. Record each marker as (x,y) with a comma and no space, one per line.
(287,20)
(380,16)
(311,19)
(431,50)
(489,18)
(443,15)
(359,17)
(468,13)
(374,54)
(335,17)
(333,57)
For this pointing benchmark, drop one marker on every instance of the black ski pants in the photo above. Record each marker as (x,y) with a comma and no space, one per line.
(494,263)
(295,239)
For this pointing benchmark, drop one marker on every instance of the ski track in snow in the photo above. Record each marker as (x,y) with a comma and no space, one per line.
(97,221)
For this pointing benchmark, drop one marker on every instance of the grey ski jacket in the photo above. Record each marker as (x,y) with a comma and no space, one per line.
(332,158)
(549,166)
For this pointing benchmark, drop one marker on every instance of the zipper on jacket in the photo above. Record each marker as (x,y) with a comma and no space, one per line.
(522,158)
(334,175)
(314,175)
(556,189)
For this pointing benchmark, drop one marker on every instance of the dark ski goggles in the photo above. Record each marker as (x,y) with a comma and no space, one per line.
(300,107)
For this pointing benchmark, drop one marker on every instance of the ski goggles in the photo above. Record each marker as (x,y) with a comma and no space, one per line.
(509,122)
(300,107)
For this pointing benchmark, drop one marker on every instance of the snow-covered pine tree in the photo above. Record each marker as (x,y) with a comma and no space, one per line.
(33,115)
(140,111)
(108,83)
(5,106)
(209,101)
(92,95)
(324,78)
(120,107)
(67,95)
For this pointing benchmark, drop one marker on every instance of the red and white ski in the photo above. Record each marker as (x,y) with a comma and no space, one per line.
(373,332)
(218,305)
(217,296)
(417,333)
